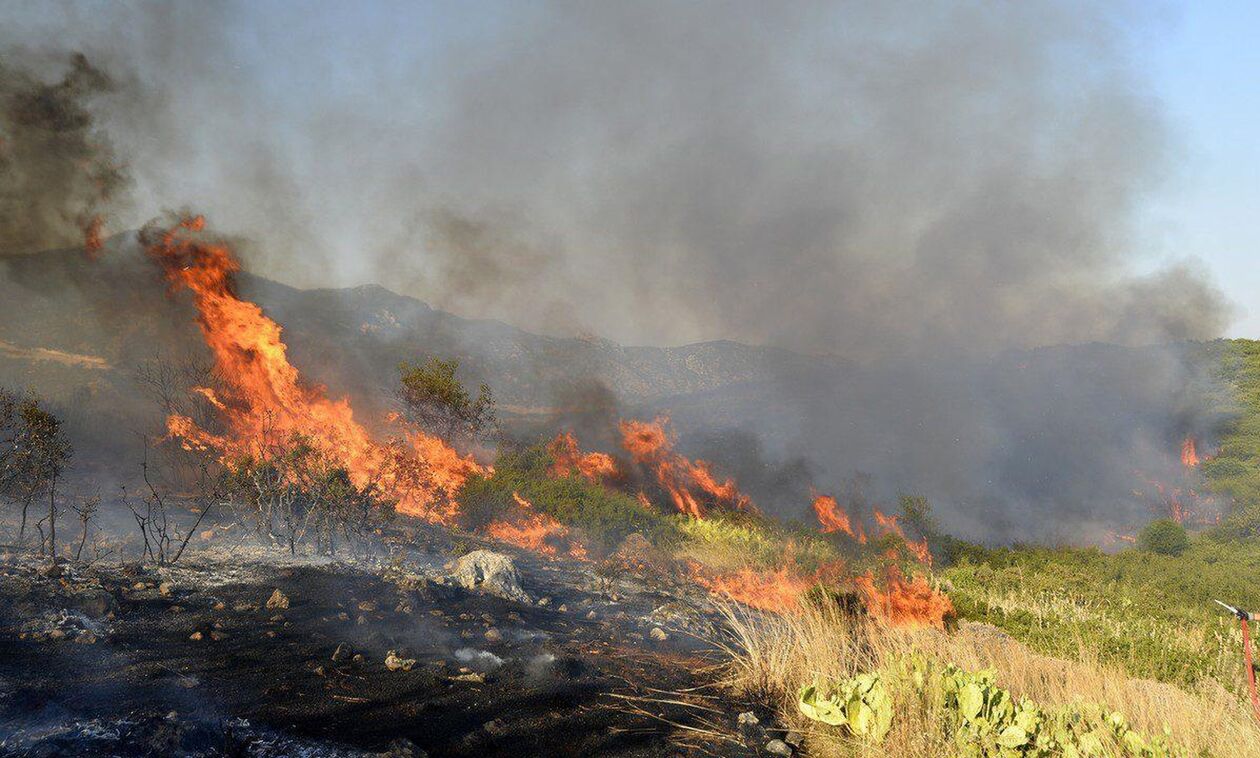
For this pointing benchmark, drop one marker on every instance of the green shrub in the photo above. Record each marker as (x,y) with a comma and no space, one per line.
(603,516)
(1163,536)
(984,719)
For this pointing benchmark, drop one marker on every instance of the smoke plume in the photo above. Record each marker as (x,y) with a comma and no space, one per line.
(58,172)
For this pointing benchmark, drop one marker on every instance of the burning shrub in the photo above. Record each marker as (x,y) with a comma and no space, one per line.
(1164,537)
(603,516)
(292,493)
(432,397)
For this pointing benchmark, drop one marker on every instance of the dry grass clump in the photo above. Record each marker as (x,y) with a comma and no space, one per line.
(773,656)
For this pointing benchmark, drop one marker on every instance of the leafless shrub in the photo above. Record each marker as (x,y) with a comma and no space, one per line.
(163,542)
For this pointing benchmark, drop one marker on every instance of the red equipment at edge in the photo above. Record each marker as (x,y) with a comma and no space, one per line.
(1243,618)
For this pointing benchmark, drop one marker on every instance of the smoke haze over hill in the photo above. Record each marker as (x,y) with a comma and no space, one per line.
(912,190)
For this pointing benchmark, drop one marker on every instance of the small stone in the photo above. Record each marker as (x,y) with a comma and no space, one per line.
(53,570)
(394,663)
(748,718)
(276,618)
(86,638)
(139,586)
(592,615)
(270,633)
(544,601)
(318,671)
(361,620)
(795,739)
(56,634)
(343,616)
(358,658)
(779,747)
(176,608)
(563,607)
(493,635)
(470,677)
(436,612)
(495,727)
(219,606)
(207,534)
(196,636)
(278,600)
(658,634)
(166,588)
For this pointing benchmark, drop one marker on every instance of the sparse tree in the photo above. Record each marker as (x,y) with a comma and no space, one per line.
(292,493)
(34,451)
(433,398)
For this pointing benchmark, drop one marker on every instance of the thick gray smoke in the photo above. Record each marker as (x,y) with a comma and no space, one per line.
(915,189)
(58,174)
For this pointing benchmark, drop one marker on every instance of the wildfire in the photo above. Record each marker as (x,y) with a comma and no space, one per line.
(686,481)
(536,531)
(263,397)
(890,526)
(568,458)
(833,518)
(1189,453)
(905,603)
(778,591)
(92,237)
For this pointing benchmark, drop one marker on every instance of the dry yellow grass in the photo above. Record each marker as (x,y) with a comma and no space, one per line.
(773,656)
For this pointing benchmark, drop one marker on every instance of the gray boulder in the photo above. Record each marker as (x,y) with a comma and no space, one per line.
(489,572)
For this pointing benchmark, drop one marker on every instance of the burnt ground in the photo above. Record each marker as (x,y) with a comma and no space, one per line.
(117,659)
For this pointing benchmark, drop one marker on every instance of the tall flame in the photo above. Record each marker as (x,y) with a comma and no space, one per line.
(264,397)
(686,481)
(1189,453)
(833,518)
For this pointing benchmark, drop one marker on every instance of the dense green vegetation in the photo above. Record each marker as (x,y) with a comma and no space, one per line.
(604,516)
(1234,470)
(1150,614)
(1163,536)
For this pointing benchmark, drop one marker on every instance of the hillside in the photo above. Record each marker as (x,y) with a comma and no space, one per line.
(1059,443)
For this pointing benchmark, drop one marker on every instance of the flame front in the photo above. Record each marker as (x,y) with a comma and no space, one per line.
(905,603)
(567,458)
(536,531)
(685,481)
(264,399)
(833,518)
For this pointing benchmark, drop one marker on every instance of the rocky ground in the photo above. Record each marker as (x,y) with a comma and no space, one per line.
(442,649)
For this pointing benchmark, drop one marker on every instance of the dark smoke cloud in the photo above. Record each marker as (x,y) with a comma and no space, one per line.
(851,177)
(907,186)
(59,176)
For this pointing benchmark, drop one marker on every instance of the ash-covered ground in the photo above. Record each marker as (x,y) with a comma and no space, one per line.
(237,650)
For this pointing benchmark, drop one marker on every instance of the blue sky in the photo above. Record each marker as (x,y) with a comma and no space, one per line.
(1205,66)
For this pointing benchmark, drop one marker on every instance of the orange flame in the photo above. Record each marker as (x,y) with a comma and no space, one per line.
(905,603)
(1189,453)
(889,525)
(833,518)
(778,591)
(264,395)
(536,531)
(568,458)
(93,231)
(650,445)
